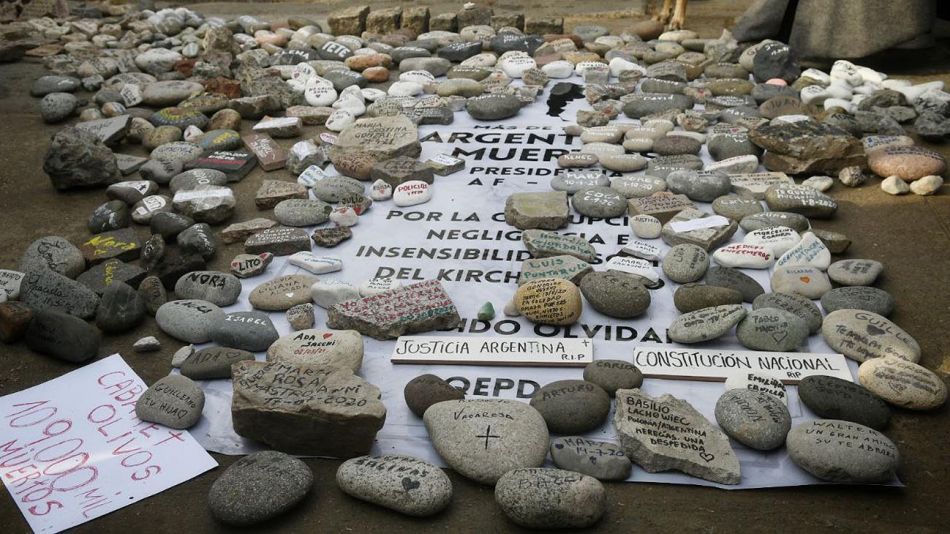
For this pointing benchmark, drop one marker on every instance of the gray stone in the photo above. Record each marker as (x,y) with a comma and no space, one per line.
(246,330)
(794,304)
(543,210)
(543,244)
(402,483)
(258,487)
(736,207)
(572,406)
(282,292)
(840,451)
(690,443)
(337,188)
(833,398)
(188,320)
(212,204)
(174,401)
(551,498)
(806,281)
(55,253)
(615,295)
(612,375)
(131,191)
(43,289)
(45,85)
(772,329)
(730,278)
(863,335)
(420,307)
(855,272)
(493,107)
(302,212)
(637,186)
(600,459)
(674,145)
(865,298)
(572,182)
(300,317)
(148,207)
(112,215)
(62,336)
(278,240)
(485,438)
(770,219)
(198,239)
(120,309)
(707,238)
(691,297)
(168,224)
(564,266)
(57,107)
(221,289)
(685,263)
(599,202)
(76,158)
(662,166)
(425,390)
(322,411)
(775,60)
(153,294)
(754,418)
(701,186)
(643,104)
(706,324)
(213,362)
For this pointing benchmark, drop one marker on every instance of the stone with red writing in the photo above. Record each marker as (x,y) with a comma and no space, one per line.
(101,276)
(188,320)
(415,308)
(272,192)
(216,287)
(482,439)
(62,336)
(411,193)
(306,409)
(282,292)
(268,153)
(248,265)
(55,253)
(841,451)
(552,301)
(241,231)
(744,256)
(174,401)
(690,443)
(246,330)
(332,348)
(213,362)
(279,241)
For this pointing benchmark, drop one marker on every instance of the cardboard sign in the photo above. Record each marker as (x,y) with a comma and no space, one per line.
(717,365)
(494,351)
(73,450)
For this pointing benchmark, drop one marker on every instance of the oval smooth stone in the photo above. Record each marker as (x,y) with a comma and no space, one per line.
(572,406)
(903,383)
(841,451)
(753,418)
(401,483)
(866,298)
(550,498)
(549,301)
(863,335)
(706,324)
(833,398)
(794,304)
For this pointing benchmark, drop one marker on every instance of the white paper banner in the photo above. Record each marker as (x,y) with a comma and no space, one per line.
(72,449)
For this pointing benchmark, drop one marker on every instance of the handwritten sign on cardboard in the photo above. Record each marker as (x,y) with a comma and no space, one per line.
(493,351)
(717,365)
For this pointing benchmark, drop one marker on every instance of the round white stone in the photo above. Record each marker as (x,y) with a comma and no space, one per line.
(411,193)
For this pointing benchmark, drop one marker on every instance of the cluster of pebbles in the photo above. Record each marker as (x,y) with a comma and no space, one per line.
(179,86)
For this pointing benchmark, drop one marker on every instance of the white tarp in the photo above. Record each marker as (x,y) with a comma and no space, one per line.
(460,238)
(72,449)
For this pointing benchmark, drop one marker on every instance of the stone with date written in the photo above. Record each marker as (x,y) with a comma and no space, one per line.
(213,362)
(662,205)
(666,433)
(482,439)
(43,289)
(544,244)
(306,409)
(600,459)
(328,348)
(415,308)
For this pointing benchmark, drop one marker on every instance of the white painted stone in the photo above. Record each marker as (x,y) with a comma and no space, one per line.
(309,261)
(743,255)
(777,238)
(380,190)
(375,286)
(412,193)
(326,293)
(810,251)
(344,216)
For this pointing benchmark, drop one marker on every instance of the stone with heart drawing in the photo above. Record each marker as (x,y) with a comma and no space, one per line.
(600,459)
(336,348)
(772,329)
(282,292)
(810,251)
(903,383)
(690,443)
(805,281)
(863,335)
(483,439)
(402,483)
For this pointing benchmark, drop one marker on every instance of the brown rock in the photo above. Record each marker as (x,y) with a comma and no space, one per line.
(15,317)
(376,74)
(907,162)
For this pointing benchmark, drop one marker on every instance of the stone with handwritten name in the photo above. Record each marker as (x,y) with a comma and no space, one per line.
(903,383)
(402,483)
(771,219)
(249,265)
(100,276)
(612,375)
(759,382)
(563,266)
(615,295)
(833,398)
(855,272)
(376,139)
(693,296)
(415,308)
(685,263)
(44,289)
(865,298)
(841,451)
(862,335)
(213,362)
(573,181)
(645,226)
(729,278)
(131,191)
(55,253)
(425,390)
(174,401)
(121,244)
(246,330)
(544,244)
(772,329)
(666,433)
(706,324)
(552,301)
(10,283)
(153,293)
(188,320)
(778,239)
(599,202)
(551,498)
(744,256)
(218,288)
(328,348)
(754,418)
(306,409)
(258,487)
(278,240)
(62,336)
(300,317)
(543,210)
(241,231)
(302,212)
(482,439)
(281,293)
(794,304)
(805,281)
(662,205)
(810,251)
(572,406)
(600,459)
